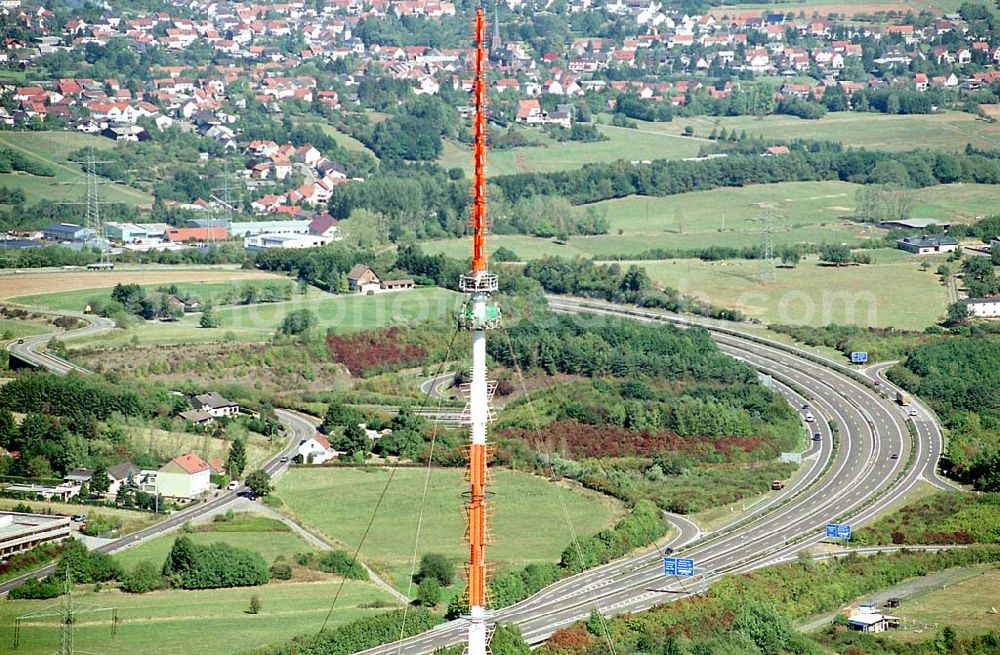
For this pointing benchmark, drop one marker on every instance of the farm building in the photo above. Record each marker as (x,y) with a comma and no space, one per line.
(983,307)
(927,244)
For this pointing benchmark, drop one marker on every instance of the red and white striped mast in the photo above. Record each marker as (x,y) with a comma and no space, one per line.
(478,315)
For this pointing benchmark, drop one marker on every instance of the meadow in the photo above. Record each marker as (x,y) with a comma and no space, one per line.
(268,537)
(211,622)
(966,605)
(527,525)
(554,156)
(54,149)
(53,282)
(950,131)
(893,292)
(802,212)
(167,445)
(208,292)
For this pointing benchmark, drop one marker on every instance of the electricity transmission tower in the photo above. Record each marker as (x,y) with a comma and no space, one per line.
(226,206)
(67,613)
(95,226)
(766,231)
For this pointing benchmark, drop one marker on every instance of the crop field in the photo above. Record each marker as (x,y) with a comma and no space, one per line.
(891,294)
(967,606)
(53,283)
(338,503)
(172,622)
(55,149)
(944,131)
(554,156)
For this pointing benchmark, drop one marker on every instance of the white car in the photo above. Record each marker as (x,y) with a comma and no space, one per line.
(913,412)
(809,417)
(235,484)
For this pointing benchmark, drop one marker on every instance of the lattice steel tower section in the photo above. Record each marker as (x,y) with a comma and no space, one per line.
(478,315)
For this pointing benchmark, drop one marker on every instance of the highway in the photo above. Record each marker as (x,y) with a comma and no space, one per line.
(853,477)
(29,349)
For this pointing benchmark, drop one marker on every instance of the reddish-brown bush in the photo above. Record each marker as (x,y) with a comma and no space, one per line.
(367,352)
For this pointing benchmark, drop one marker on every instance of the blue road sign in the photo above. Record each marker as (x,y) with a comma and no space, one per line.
(859,357)
(678,566)
(838,531)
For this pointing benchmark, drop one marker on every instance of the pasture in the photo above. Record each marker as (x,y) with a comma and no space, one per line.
(55,149)
(527,525)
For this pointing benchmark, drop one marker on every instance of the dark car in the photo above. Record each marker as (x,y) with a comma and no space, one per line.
(668,551)
(817,436)
(20,340)
(894,456)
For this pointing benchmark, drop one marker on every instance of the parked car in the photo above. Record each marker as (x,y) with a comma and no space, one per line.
(79,518)
(235,484)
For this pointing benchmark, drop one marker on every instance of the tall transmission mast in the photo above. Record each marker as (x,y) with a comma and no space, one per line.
(478,315)
(767,230)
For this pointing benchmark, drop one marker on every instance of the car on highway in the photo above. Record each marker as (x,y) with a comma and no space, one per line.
(20,340)
(817,436)
(805,405)
(809,417)
(913,412)
(79,518)
(668,551)
(877,381)
(284,458)
(894,456)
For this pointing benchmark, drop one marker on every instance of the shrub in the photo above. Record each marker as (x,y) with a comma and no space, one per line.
(341,563)
(281,571)
(36,590)
(217,565)
(437,566)
(143,578)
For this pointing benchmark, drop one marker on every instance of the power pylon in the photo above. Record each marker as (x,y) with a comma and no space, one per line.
(227,199)
(767,261)
(95,226)
(67,612)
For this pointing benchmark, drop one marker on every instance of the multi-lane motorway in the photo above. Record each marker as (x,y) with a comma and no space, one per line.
(870,453)
(866,460)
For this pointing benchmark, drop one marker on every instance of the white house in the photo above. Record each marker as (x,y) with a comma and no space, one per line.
(316,450)
(185,476)
(215,404)
(119,475)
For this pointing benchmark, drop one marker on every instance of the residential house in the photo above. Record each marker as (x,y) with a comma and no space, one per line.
(185,476)
(316,450)
(215,404)
(362,279)
(119,475)
(983,307)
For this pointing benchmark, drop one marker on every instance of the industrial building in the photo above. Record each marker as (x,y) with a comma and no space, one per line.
(927,244)
(20,532)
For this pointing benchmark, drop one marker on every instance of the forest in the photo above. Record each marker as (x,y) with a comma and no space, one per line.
(959,378)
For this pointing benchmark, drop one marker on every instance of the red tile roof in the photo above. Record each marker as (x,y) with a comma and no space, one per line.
(191,463)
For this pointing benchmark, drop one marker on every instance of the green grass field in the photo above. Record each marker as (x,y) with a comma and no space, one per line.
(896,293)
(276,540)
(804,212)
(11,328)
(345,141)
(212,622)
(167,445)
(54,149)
(208,292)
(346,313)
(554,156)
(944,131)
(968,606)
(527,525)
